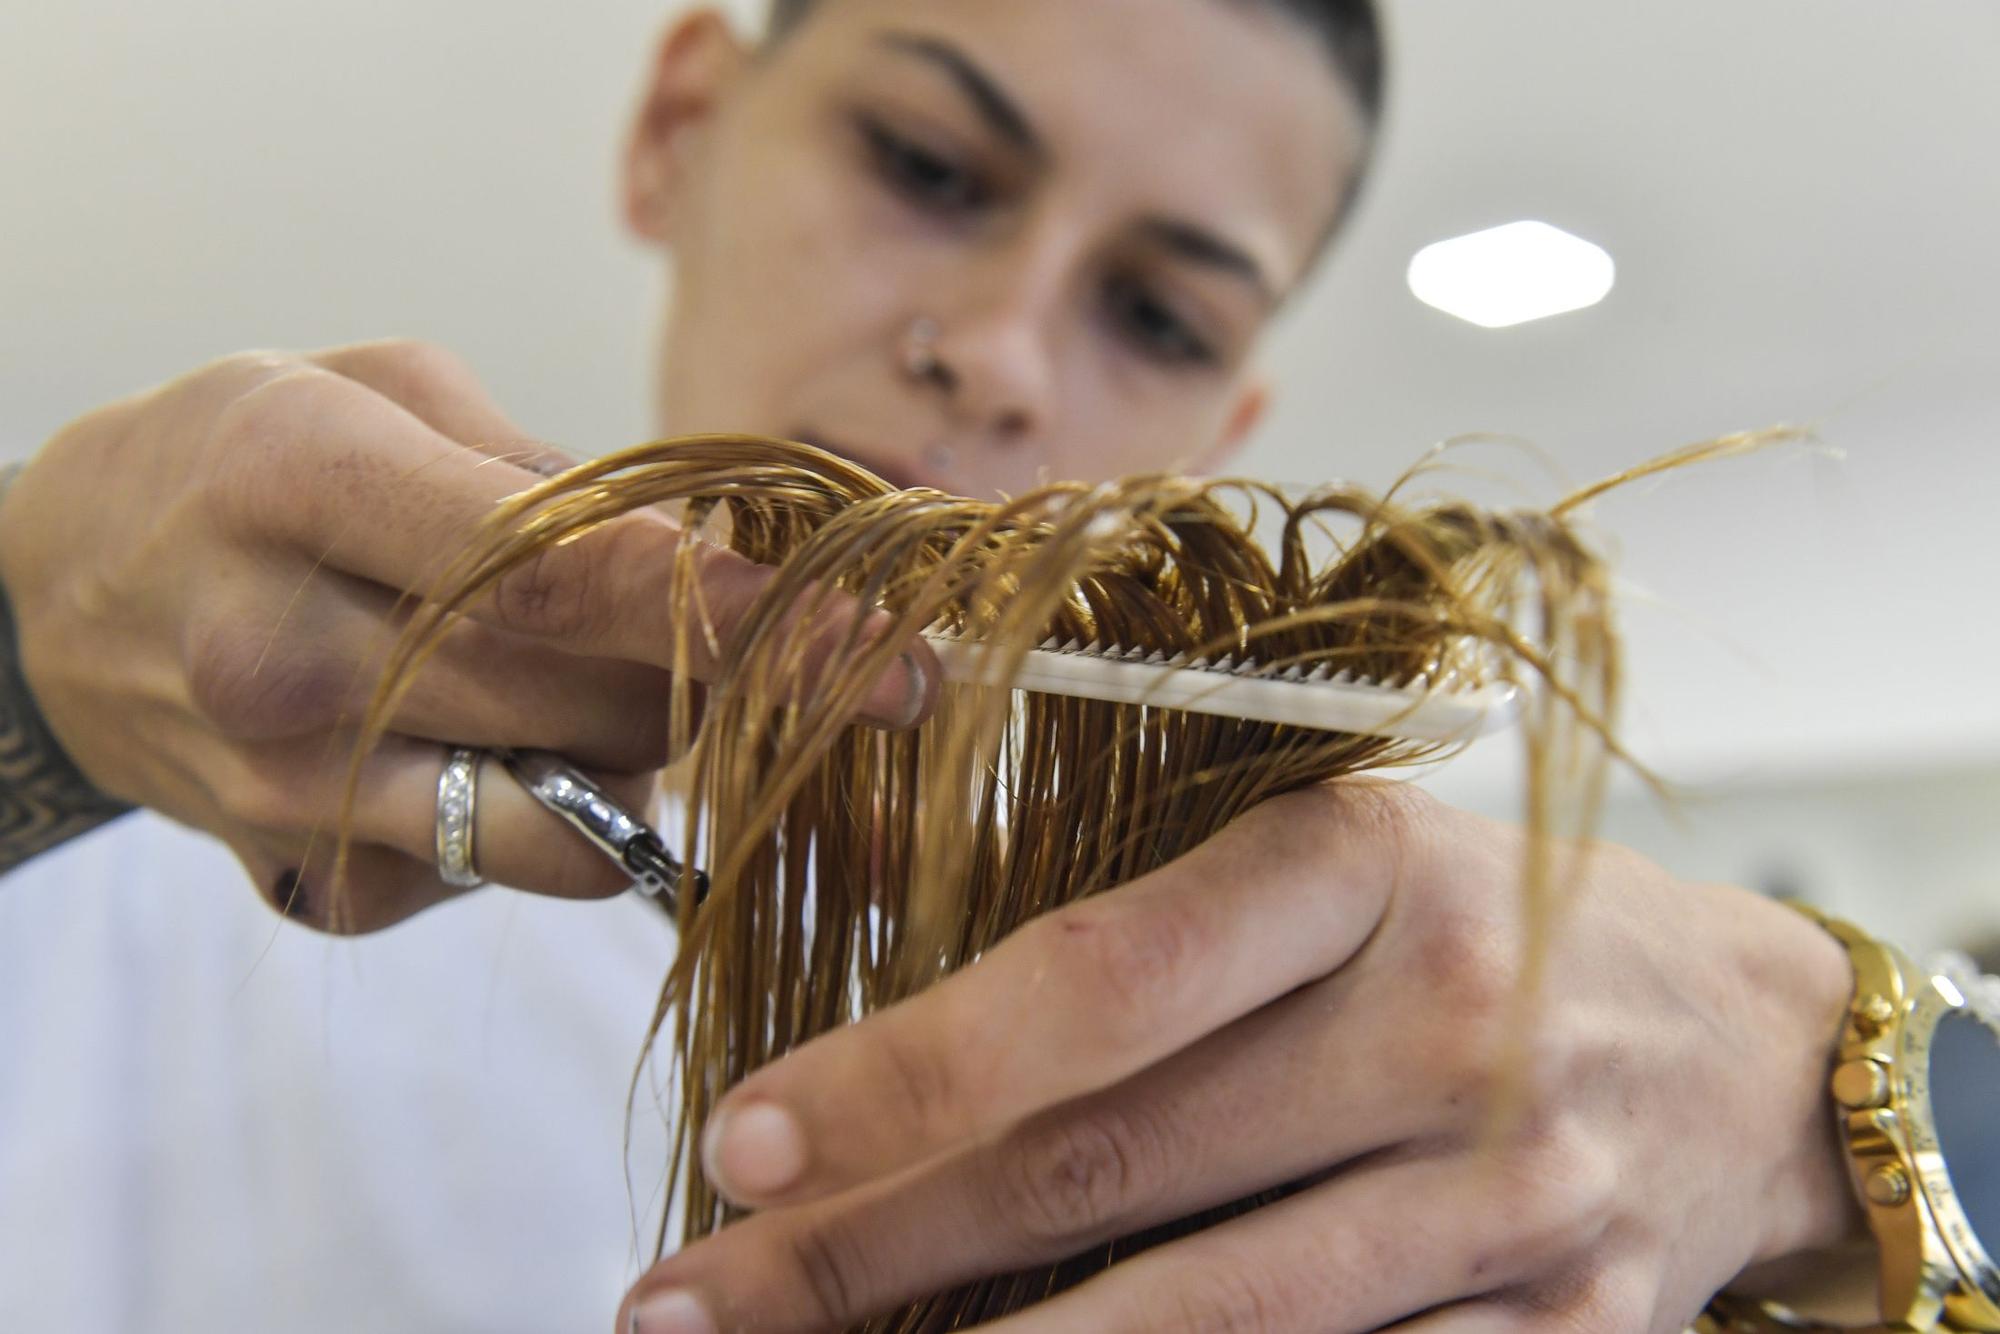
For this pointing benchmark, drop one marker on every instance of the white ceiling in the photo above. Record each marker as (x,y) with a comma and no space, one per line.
(1801,198)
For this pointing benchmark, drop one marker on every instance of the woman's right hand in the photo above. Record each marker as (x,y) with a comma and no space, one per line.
(204,578)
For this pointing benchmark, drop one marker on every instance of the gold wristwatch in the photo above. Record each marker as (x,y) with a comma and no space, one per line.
(1916,1080)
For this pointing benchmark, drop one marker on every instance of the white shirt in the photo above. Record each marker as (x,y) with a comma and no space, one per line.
(212,1120)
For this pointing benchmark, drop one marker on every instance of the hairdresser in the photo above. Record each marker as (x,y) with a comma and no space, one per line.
(968,245)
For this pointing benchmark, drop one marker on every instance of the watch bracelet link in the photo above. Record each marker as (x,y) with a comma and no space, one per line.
(1922,1281)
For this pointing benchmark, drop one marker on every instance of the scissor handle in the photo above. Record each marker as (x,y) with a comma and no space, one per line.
(610,828)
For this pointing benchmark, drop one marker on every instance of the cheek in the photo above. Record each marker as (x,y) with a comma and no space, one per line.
(1121,425)
(756,306)
(794,273)
(772,261)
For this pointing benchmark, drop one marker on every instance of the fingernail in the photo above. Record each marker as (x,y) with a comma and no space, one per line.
(289,893)
(919,689)
(753,1151)
(899,704)
(671,1312)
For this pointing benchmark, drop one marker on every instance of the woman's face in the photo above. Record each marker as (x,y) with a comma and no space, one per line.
(976,245)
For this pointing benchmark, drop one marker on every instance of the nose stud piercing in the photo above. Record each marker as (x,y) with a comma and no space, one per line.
(919,349)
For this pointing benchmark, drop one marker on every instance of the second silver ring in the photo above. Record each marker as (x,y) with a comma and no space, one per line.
(457,807)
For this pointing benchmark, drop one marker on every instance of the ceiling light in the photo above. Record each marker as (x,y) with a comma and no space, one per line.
(1512,274)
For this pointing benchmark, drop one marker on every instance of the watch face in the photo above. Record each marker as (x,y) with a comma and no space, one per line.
(1965,1103)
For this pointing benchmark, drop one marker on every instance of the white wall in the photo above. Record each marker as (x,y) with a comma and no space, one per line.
(186,180)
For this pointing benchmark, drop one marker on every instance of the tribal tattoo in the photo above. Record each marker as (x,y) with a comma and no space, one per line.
(44,798)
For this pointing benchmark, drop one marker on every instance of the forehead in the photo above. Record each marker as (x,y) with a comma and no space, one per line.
(1227,113)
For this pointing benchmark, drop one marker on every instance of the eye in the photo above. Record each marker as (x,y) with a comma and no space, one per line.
(919,173)
(1152,325)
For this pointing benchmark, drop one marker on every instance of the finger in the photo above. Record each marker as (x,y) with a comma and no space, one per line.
(1195,1131)
(516,841)
(444,393)
(1614,1299)
(312,667)
(487,689)
(543,460)
(440,390)
(289,795)
(389,500)
(1369,1247)
(381,887)
(1359,1252)
(1192,1132)
(1073,1002)
(1481,1317)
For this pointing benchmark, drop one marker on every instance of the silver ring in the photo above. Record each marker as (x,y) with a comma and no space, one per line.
(458,796)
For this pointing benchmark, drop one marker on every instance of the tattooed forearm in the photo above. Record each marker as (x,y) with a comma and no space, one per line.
(44,799)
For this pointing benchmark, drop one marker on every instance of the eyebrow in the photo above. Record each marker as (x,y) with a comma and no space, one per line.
(1000,112)
(1003,115)
(1201,246)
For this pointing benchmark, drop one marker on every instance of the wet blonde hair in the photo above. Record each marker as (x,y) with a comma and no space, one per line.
(850,867)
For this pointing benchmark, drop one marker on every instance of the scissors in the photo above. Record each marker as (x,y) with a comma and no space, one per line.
(608,826)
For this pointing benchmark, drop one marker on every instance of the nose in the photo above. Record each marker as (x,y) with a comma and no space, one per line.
(989,353)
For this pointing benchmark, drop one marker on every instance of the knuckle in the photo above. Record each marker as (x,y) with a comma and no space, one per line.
(570,591)
(1585,1194)
(552,594)
(1391,814)
(1222,1299)
(832,1272)
(249,367)
(1563,1185)
(420,374)
(1465,1046)
(925,1084)
(229,377)
(1471,968)
(257,441)
(250,688)
(1071,1178)
(1583,1299)
(210,390)
(1616,1308)
(423,361)
(268,412)
(1385,830)
(1136,962)
(1615,864)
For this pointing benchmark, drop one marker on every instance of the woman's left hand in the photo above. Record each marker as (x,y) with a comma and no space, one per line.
(1328,991)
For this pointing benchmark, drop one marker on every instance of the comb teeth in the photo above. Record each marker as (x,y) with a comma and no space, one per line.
(1227,665)
(1237,685)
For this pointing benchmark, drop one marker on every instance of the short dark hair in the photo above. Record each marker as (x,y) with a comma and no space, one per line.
(1349,30)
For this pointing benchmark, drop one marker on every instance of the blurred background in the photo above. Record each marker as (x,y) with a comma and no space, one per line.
(1799,196)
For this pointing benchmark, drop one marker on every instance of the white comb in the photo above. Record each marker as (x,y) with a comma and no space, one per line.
(1239,688)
